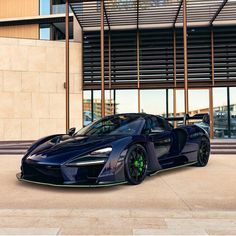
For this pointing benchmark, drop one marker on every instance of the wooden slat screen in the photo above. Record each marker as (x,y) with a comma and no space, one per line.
(157,55)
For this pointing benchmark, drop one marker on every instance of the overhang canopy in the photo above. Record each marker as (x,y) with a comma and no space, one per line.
(121,14)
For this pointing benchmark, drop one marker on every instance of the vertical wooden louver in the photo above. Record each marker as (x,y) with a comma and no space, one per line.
(157,60)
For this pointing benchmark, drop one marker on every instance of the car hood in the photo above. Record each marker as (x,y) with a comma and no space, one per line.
(63,148)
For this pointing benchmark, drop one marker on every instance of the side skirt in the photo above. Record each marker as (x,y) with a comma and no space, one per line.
(172,168)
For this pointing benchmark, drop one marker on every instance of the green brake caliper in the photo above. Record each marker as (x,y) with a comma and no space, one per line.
(139,164)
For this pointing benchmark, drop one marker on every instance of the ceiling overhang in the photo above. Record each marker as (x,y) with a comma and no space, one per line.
(130,14)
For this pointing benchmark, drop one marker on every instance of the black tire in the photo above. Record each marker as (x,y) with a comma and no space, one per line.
(203,152)
(136,164)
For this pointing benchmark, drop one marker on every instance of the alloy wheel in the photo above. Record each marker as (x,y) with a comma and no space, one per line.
(204,152)
(136,165)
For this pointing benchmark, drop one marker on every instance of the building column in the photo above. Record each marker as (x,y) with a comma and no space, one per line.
(109,72)
(138,56)
(138,70)
(185,56)
(229,115)
(213,82)
(102,60)
(211,113)
(67,68)
(175,83)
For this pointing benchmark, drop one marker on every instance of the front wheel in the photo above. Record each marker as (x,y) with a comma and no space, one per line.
(203,152)
(136,163)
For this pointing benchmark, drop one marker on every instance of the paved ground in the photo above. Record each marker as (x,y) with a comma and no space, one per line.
(188,201)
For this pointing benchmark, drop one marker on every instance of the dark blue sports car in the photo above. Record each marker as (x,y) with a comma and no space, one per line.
(116,149)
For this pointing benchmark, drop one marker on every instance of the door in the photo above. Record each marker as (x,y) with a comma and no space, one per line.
(160,135)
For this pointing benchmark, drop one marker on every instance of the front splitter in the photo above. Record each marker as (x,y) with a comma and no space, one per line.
(18,176)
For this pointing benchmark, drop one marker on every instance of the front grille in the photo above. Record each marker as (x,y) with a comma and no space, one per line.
(42,173)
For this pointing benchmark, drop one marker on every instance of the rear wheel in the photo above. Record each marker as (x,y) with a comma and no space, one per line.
(203,152)
(136,164)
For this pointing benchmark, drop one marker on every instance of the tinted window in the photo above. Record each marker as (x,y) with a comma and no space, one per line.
(114,125)
(155,124)
(158,124)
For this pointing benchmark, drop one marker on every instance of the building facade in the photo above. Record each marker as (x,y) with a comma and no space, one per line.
(161,63)
(124,56)
(32,70)
(34,19)
(162,57)
(14,9)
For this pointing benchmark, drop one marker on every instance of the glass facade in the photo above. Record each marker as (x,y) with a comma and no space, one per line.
(87,107)
(224,112)
(179,102)
(45,7)
(58,6)
(156,60)
(198,101)
(220,106)
(157,64)
(45,32)
(97,105)
(48,7)
(92,105)
(232,99)
(54,31)
(160,102)
(126,101)
(110,107)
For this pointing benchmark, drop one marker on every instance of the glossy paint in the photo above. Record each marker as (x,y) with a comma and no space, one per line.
(47,161)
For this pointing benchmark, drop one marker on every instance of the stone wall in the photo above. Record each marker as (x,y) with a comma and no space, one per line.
(32,94)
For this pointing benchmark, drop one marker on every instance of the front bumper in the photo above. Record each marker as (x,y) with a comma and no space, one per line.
(67,176)
(74,185)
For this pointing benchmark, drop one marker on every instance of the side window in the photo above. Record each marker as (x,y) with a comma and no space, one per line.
(154,125)
(158,124)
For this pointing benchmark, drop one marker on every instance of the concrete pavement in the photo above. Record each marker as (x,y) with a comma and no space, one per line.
(187,201)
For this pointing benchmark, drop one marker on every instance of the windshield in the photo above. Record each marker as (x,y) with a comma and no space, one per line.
(114,125)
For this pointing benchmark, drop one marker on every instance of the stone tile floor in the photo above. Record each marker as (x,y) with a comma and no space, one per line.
(187,201)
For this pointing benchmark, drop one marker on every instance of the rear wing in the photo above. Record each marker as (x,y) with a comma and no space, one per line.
(204,117)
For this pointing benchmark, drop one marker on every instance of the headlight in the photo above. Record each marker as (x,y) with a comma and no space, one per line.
(77,163)
(96,157)
(102,152)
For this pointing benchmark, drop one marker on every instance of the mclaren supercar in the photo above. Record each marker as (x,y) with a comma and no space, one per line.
(122,148)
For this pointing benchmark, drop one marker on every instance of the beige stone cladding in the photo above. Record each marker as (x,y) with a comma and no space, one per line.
(32,93)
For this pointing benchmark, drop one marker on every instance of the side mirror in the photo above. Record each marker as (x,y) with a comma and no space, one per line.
(71,131)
